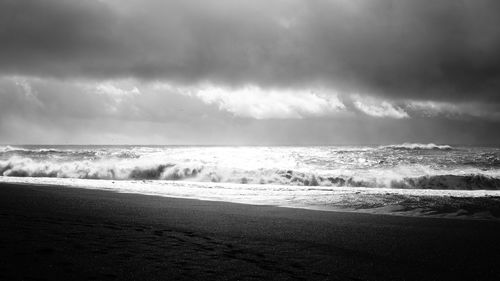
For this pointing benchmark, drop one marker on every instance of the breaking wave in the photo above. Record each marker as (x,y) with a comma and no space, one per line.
(143,170)
(417,146)
(9,148)
(90,154)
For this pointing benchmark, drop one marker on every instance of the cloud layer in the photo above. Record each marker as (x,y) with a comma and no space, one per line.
(445,50)
(192,66)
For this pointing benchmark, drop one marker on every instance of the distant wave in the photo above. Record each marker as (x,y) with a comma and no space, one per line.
(71,153)
(21,150)
(417,146)
(143,170)
(9,148)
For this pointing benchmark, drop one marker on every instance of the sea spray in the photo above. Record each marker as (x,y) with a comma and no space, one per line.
(406,166)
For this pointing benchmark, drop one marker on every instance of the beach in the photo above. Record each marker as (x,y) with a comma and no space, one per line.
(53,233)
(249,140)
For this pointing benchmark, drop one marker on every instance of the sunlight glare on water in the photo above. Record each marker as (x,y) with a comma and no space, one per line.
(397,166)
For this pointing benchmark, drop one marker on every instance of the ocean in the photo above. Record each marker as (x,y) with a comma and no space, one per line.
(320,177)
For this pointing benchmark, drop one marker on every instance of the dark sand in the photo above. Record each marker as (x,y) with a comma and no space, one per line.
(50,233)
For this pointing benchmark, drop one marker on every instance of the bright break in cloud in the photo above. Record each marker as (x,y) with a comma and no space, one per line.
(249,72)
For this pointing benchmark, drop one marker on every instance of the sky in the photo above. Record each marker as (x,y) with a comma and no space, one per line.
(238,72)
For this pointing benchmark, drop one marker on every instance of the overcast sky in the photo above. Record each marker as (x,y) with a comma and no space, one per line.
(249,72)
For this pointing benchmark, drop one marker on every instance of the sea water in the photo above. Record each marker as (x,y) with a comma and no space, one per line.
(297,176)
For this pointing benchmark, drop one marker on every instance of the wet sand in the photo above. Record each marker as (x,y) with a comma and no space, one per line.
(58,233)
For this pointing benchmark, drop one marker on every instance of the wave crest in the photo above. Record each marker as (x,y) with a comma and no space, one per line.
(134,170)
(445,181)
(417,146)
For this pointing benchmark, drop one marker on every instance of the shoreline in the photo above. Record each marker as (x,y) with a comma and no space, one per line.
(73,233)
(449,204)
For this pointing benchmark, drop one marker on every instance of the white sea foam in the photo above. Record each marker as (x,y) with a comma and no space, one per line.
(8,148)
(404,176)
(377,167)
(417,202)
(417,146)
(411,178)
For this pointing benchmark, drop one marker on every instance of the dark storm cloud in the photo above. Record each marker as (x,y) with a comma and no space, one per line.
(419,50)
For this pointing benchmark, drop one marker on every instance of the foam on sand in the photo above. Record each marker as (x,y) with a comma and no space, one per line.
(484,204)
